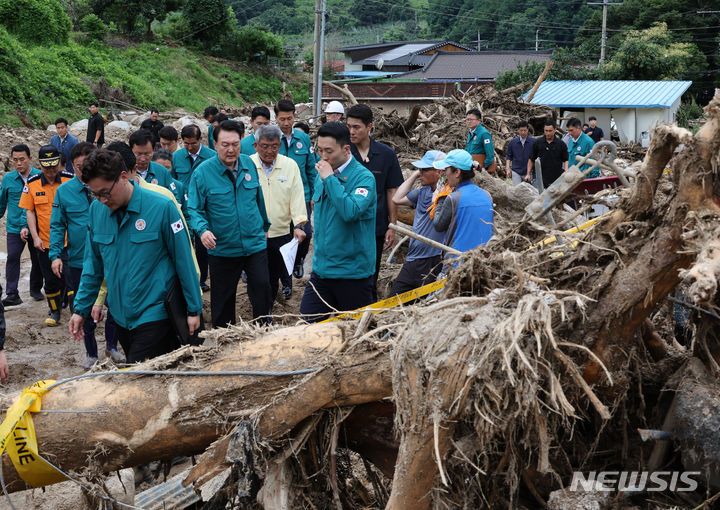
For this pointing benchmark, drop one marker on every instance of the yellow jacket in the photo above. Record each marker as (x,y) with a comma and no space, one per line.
(284,194)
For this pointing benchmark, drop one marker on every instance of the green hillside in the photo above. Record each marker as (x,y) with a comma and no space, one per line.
(39,82)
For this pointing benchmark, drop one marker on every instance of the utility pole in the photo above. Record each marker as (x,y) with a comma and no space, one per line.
(603,40)
(537,40)
(318,55)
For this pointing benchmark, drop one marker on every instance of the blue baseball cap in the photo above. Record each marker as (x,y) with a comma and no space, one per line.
(428,159)
(457,158)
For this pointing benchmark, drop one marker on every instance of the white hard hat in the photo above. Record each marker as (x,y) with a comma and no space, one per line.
(335,107)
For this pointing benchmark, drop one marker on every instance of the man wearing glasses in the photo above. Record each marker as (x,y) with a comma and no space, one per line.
(37,200)
(69,220)
(138,243)
(227,211)
(284,195)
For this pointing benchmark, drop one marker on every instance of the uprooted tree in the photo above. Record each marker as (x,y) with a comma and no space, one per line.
(534,360)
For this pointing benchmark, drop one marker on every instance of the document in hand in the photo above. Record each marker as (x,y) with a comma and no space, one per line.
(289,251)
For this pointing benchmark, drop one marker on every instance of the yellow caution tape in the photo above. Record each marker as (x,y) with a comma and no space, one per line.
(392,302)
(17,435)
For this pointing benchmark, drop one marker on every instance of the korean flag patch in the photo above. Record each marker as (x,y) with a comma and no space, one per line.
(172,186)
(487,140)
(25,189)
(177,226)
(361,191)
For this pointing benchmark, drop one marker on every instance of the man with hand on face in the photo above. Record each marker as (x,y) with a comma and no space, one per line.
(284,202)
(344,256)
(37,199)
(17,232)
(423,262)
(227,211)
(185,161)
(296,145)
(382,161)
(138,244)
(260,116)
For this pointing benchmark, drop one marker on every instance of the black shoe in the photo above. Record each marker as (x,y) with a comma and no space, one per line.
(12,300)
(299,270)
(287,291)
(205,287)
(37,295)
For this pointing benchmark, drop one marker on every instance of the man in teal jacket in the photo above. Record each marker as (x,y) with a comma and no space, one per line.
(260,116)
(17,229)
(185,161)
(345,205)
(479,139)
(580,144)
(296,145)
(227,211)
(70,217)
(138,244)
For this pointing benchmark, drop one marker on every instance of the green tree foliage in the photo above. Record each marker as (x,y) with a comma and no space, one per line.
(651,54)
(208,20)
(380,12)
(134,17)
(94,27)
(36,21)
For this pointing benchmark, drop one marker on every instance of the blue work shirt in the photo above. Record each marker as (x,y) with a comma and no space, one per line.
(232,209)
(344,241)
(467,216)
(70,215)
(139,252)
(518,153)
(479,141)
(581,147)
(247,145)
(183,164)
(65,146)
(301,151)
(10,192)
(383,163)
(422,199)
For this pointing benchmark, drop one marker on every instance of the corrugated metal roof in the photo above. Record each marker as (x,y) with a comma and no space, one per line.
(610,94)
(474,65)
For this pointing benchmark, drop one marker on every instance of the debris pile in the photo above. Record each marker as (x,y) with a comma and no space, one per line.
(536,362)
(441,125)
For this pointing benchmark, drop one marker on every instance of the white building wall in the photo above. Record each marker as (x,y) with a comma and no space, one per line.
(603,119)
(649,118)
(625,123)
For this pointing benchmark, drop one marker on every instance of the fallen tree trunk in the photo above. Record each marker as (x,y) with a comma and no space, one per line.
(145,418)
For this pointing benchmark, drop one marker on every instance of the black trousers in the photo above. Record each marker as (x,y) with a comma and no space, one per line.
(202,258)
(71,275)
(342,294)
(15,247)
(305,245)
(148,340)
(276,264)
(416,273)
(53,284)
(224,277)
(379,245)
